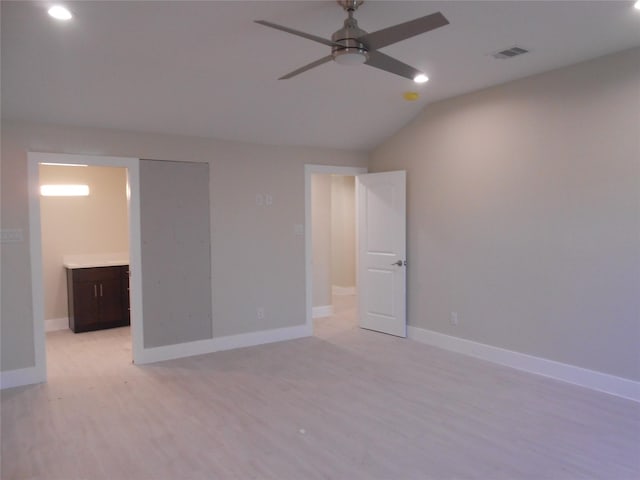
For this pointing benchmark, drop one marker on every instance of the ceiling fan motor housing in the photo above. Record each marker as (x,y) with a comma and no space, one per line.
(347,49)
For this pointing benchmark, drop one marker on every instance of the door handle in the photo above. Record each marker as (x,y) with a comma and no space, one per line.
(399,263)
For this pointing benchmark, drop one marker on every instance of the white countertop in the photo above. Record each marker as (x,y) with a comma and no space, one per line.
(91,260)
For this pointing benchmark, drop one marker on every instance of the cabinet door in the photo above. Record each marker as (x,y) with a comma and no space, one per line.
(112,308)
(98,298)
(86,311)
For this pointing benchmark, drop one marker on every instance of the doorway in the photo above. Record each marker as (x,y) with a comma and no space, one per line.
(129,169)
(84,232)
(331,283)
(381,248)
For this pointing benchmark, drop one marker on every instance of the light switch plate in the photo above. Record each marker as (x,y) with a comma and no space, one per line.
(11,235)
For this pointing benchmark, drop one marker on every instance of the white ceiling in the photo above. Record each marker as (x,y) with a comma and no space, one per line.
(205,69)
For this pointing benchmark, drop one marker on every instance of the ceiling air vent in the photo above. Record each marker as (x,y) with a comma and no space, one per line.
(509,53)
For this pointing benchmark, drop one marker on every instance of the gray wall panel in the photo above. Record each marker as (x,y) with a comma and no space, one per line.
(176,258)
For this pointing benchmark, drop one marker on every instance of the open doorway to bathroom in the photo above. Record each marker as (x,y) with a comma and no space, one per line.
(332,247)
(85,264)
(80,235)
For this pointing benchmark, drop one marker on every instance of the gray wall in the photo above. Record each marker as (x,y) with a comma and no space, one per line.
(257,260)
(176,246)
(524,213)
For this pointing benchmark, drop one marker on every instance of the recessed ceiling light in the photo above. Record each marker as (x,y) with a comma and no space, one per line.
(60,13)
(422,78)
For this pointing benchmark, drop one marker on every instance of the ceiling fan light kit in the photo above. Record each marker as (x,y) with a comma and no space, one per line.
(346,49)
(350,45)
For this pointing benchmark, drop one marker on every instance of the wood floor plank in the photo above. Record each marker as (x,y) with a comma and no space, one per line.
(345,404)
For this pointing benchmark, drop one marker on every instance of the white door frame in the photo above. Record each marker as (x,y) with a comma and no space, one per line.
(35,244)
(308,252)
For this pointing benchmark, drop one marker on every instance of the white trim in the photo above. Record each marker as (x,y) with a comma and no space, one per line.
(261,338)
(322,311)
(55,324)
(602,382)
(309,170)
(37,291)
(23,376)
(35,239)
(338,290)
(135,260)
(201,347)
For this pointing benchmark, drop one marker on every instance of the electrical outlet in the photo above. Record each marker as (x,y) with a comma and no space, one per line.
(268,199)
(453,318)
(259,200)
(260,313)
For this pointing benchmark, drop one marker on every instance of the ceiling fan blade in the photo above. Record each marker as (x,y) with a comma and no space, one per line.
(391,65)
(296,32)
(402,31)
(307,67)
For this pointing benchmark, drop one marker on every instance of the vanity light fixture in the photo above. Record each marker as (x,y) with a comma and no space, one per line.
(637,5)
(64,190)
(65,164)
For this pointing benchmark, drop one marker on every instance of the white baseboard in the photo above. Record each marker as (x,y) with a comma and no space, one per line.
(602,382)
(322,311)
(260,338)
(54,324)
(201,347)
(20,377)
(337,290)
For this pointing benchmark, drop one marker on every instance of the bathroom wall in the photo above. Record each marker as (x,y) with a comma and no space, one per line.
(321,239)
(333,230)
(79,225)
(343,231)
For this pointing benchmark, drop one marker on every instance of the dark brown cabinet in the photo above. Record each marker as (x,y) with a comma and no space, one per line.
(98,297)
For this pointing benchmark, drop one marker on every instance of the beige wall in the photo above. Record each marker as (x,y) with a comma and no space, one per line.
(333,229)
(321,238)
(79,225)
(524,213)
(343,231)
(257,259)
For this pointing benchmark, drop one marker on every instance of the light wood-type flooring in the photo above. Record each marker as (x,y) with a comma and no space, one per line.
(346,404)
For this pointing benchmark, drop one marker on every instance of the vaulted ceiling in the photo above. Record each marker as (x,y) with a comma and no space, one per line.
(206,69)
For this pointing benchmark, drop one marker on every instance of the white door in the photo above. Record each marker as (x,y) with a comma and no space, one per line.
(381,201)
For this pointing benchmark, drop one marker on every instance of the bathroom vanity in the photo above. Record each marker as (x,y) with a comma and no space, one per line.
(98,295)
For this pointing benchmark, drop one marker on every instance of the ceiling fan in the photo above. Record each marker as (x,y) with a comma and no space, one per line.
(351,45)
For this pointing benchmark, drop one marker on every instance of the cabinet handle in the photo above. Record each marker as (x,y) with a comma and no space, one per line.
(100,289)
(95,290)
